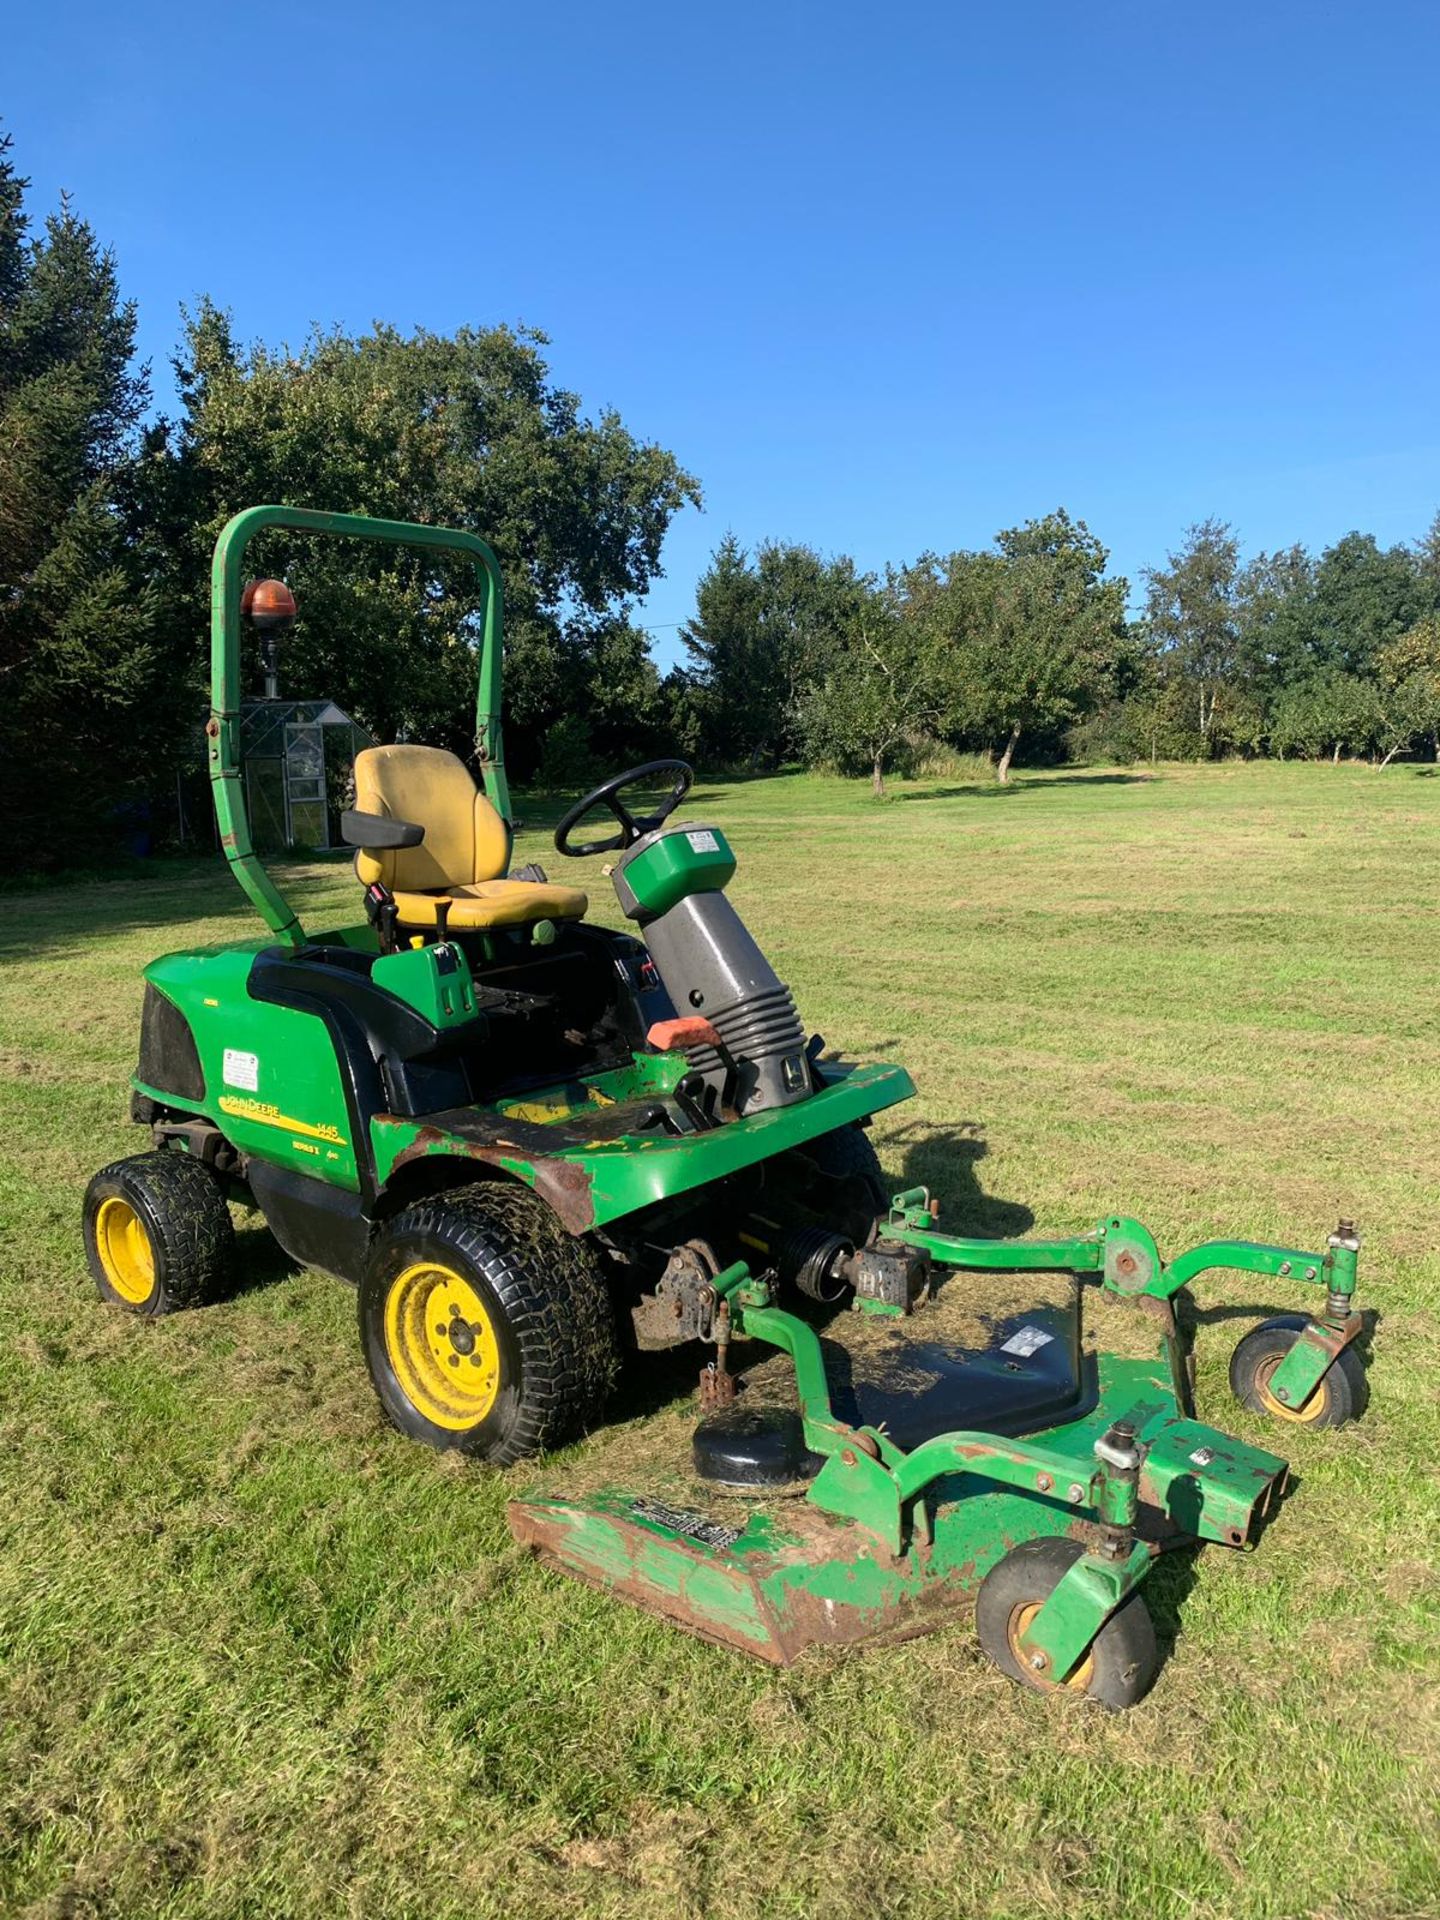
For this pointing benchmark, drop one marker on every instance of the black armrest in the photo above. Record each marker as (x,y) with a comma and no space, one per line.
(377,832)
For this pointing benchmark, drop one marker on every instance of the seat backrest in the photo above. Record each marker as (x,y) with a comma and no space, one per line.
(465,838)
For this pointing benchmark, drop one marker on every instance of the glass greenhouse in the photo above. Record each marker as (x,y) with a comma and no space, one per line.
(297,757)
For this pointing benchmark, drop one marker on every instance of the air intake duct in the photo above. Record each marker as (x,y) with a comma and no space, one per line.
(711,966)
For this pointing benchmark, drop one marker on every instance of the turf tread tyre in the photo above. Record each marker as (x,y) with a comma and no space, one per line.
(849,1154)
(1125,1655)
(545,1288)
(191,1234)
(1345,1389)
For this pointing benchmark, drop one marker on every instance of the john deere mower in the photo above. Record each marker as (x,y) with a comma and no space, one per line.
(534,1144)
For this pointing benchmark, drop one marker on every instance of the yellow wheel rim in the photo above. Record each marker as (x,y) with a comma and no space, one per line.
(126,1255)
(441,1342)
(1302,1416)
(1079,1680)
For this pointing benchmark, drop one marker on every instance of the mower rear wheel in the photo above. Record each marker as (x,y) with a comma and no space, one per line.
(158,1234)
(487,1328)
(1343,1392)
(1123,1659)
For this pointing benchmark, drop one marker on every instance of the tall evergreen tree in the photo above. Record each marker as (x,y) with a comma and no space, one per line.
(76,661)
(763,635)
(733,678)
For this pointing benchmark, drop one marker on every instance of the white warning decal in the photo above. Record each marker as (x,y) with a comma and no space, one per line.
(704,841)
(1027,1341)
(241,1069)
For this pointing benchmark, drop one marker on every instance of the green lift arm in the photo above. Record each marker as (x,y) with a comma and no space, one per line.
(223,731)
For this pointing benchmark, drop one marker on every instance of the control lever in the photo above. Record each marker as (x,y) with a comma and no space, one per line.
(383,914)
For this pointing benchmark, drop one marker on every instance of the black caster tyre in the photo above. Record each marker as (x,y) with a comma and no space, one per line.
(1123,1659)
(1343,1393)
(158,1234)
(487,1328)
(848,1155)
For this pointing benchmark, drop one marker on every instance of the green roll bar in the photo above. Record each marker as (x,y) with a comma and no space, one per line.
(223,731)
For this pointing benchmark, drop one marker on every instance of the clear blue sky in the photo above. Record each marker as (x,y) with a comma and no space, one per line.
(885,278)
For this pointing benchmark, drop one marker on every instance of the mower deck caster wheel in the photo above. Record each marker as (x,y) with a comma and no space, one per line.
(1341,1395)
(158,1234)
(1122,1661)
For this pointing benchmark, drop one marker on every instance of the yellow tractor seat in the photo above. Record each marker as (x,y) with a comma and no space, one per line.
(492,903)
(461,853)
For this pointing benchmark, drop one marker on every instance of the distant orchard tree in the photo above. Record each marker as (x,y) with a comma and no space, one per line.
(882,686)
(1325,714)
(1029,637)
(1408,675)
(1193,613)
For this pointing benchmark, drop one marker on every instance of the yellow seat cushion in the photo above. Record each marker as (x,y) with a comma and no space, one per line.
(494,903)
(465,851)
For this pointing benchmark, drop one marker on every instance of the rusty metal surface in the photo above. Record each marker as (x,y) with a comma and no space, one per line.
(495,1141)
(681,1307)
(743,1600)
(716,1388)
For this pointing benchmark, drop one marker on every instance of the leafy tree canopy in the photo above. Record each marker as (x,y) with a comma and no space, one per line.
(1192,610)
(466,431)
(1030,635)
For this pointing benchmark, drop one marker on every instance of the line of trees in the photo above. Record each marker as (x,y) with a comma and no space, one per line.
(795,657)
(108,515)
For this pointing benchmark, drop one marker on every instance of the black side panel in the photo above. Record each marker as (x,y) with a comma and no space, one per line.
(169,1061)
(377,1037)
(342,979)
(318,1225)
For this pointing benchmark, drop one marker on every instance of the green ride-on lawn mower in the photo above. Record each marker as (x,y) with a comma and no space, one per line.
(532,1143)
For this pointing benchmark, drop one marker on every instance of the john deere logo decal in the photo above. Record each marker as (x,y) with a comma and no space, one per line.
(265,1115)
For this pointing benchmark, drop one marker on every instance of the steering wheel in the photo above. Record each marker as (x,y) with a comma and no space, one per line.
(632,826)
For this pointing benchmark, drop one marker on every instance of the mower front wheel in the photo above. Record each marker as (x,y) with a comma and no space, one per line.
(487,1328)
(849,1155)
(1342,1394)
(158,1234)
(1122,1661)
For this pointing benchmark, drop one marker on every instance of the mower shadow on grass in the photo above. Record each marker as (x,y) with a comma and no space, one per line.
(260,1261)
(1170,1585)
(944,1159)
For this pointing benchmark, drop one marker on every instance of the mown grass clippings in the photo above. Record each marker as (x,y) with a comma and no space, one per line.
(260,1655)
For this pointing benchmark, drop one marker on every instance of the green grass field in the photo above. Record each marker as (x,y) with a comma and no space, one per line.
(260,1655)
